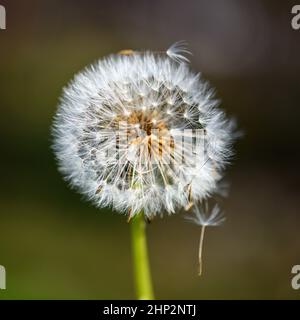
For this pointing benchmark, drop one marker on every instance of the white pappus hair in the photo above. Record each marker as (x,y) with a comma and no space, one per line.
(159,105)
(206,218)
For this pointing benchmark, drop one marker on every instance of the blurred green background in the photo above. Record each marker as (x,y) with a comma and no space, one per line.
(53,244)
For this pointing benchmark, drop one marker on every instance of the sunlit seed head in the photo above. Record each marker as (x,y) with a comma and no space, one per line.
(123,133)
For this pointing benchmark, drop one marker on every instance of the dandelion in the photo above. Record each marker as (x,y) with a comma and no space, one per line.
(124,133)
(140,132)
(205,218)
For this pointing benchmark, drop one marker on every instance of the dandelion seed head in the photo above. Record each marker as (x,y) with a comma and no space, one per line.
(123,133)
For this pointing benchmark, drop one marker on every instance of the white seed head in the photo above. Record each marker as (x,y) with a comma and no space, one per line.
(141,131)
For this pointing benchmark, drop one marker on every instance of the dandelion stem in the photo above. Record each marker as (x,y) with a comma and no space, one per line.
(142,277)
(201,249)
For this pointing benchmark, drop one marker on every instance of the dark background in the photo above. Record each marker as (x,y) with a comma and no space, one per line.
(56,245)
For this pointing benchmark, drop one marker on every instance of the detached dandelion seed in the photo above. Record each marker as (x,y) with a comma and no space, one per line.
(202,217)
(124,136)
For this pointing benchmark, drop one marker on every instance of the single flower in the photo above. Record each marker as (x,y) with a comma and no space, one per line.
(140,131)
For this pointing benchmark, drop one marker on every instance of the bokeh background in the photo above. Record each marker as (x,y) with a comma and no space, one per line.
(56,245)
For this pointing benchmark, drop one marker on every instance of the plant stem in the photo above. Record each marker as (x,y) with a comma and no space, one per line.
(142,277)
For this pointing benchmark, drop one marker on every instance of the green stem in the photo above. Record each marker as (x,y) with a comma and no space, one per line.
(142,277)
